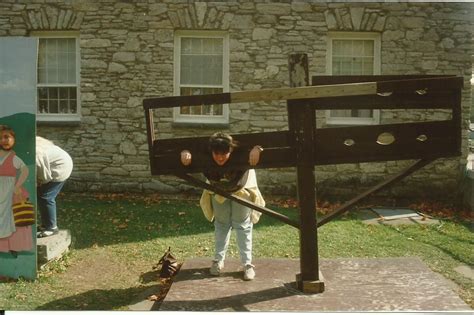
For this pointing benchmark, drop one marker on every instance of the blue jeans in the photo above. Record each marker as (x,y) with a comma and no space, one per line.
(46,195)
(231,215)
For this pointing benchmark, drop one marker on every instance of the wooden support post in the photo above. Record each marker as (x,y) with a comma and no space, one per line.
(302,127)
(150,131)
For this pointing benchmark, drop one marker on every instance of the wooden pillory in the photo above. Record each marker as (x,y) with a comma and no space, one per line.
(303,145)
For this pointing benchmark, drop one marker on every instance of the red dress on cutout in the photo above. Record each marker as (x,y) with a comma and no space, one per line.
(22,238)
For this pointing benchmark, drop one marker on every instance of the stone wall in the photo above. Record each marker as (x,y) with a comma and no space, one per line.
(126,52)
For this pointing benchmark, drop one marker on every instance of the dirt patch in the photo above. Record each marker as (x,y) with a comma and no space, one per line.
(102,269)
(99,278)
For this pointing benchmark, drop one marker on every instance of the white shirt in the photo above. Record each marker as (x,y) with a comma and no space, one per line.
(53,164)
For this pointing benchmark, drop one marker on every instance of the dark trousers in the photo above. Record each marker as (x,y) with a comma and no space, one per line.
(46,195)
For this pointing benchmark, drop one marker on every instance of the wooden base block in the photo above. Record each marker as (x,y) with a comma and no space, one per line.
(312,286)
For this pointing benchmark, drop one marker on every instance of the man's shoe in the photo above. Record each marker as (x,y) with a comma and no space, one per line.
(216,267)
(46,233)
(249,272)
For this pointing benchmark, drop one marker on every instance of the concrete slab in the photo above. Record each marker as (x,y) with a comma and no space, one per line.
(53,247)
(394,216)
(382,284)
(395,213)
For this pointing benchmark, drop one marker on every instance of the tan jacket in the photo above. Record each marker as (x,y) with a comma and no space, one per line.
(250,192)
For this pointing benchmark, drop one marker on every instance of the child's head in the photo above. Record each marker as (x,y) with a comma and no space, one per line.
(7,137)
(221,146)
(221,143)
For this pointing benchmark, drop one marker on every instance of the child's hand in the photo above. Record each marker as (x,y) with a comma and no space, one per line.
(254,156)
(186,157)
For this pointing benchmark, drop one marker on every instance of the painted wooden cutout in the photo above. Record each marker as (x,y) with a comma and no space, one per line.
(17,157)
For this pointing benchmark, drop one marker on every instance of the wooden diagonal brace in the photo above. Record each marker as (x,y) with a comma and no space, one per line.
(199,183)
(395,178)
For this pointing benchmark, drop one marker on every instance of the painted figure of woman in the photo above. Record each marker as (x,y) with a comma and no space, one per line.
(13,173)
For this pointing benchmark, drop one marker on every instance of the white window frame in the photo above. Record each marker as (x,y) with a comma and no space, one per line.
(376,37)
(200,119)
(61,117)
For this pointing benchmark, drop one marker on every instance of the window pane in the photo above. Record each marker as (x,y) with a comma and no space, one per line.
(53,106)
(369,48)
(214,109)
(363,113)
(358,48)
(42,93)
(73,106)
(207,110)
(340,113)
(368,66)
(64,93)
(218,110)
(357,66)
(185,45)
(196,110)
(201,61)
(52,75)
(42,77)
(346,48)
(57,60)
(352,57)
(185,110)
(63,106)
(57,100)
(73,93)
(43,106)
(196,46)
(53,93)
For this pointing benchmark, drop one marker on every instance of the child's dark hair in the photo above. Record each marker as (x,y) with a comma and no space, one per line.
(221,143)
(8,129)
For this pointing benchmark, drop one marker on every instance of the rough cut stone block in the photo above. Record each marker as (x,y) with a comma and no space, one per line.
(53,247)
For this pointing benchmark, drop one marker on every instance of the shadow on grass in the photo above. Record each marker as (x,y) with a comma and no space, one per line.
(443,243)
(99,299)
(107,222)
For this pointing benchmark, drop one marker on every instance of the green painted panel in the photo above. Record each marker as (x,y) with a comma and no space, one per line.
(17,111)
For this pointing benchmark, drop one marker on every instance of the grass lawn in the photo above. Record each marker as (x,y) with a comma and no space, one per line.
(117,240)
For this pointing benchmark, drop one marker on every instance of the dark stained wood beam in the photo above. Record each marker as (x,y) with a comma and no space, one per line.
(412,141)
(360,88)
(302,129)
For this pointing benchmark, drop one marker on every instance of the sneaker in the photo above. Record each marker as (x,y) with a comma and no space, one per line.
(249,272)
(216,267)
(46,233)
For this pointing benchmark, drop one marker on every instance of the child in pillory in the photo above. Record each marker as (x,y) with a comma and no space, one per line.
(227,214)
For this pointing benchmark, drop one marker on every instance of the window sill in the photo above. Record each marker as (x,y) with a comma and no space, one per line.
(52,120)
